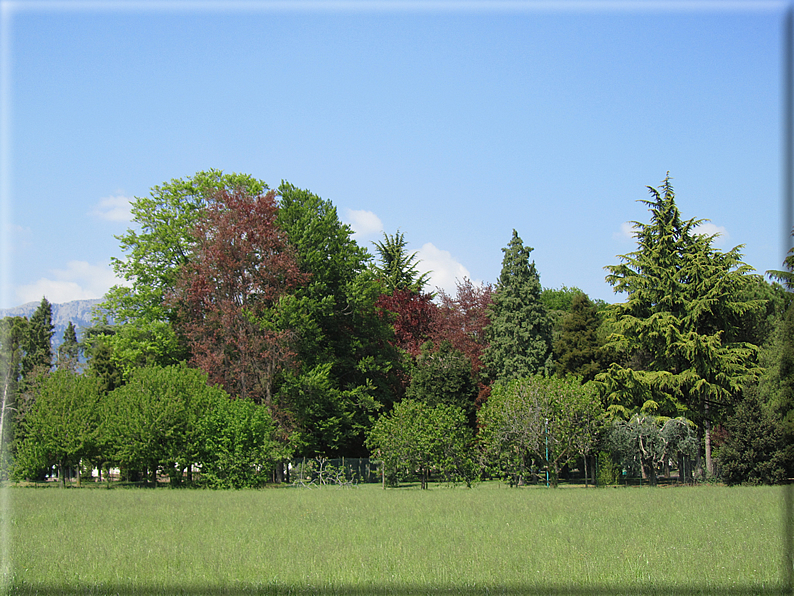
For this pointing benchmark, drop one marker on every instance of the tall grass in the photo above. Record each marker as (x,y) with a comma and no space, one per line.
(488,540)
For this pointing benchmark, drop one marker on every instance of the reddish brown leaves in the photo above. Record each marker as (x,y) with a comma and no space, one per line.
(227,295)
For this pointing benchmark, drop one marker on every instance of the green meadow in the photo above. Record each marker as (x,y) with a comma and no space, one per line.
(363,540)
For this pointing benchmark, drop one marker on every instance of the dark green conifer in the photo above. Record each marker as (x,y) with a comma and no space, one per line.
(578,350)
(520,329)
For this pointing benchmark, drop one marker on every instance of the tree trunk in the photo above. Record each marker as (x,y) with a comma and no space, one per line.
(707,428)
(585,471)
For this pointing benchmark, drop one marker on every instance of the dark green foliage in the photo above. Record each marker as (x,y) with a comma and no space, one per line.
(102,362)
(397,269)
(520,327)
(578,349)
(341,341)
(12,334)
(415,439)
(69,350)
(37,344)
(443,376)
(754,451)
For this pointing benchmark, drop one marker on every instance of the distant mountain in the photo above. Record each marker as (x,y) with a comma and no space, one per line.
(76,311)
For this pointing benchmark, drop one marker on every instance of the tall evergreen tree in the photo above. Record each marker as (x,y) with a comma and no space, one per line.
(69,350)
(681,320)
(520,328)
(37,344)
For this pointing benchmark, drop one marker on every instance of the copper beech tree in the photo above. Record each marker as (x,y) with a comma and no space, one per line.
(228,295)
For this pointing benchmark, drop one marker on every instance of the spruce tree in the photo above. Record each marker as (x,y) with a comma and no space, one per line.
(520,329)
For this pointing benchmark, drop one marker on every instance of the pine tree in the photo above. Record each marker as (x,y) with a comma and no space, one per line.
(37,343)
(520,329)
(681,320)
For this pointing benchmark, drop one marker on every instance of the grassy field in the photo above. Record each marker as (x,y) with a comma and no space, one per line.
(363,540)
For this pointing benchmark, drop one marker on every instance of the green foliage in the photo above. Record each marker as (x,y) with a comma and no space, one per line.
(163,243)
(609,471)
(525,417)
(344,372)
(443,376)
(417,439)
(62,425)
(12,334)
(560,299)
(577,351)
(755,450)
(398,269)
(37,343)
(102,363)
(151,423)
(69,350)
(680,323)
(520,327)
(237,446)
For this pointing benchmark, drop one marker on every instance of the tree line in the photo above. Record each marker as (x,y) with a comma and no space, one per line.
(252,328)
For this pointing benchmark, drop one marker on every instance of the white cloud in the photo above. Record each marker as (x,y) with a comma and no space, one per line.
(627,230)
(79,281)
(444,270)
(364,223)
(710,229)
(113,208)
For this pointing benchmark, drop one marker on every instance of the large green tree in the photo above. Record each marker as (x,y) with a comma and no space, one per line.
(62,425)
(538,422)
(344,360)
(418,439)
(520,327)
(681,321)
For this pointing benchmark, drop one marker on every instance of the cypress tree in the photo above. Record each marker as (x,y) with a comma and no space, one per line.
(520,329)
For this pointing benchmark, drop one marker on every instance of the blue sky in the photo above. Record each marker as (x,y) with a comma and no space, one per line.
(452,122)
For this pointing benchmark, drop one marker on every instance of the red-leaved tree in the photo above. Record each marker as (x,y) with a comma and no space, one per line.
(413,317)
(462,321)
(227,296)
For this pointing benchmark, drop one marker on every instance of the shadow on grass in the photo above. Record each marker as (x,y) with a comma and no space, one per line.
(394,590)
